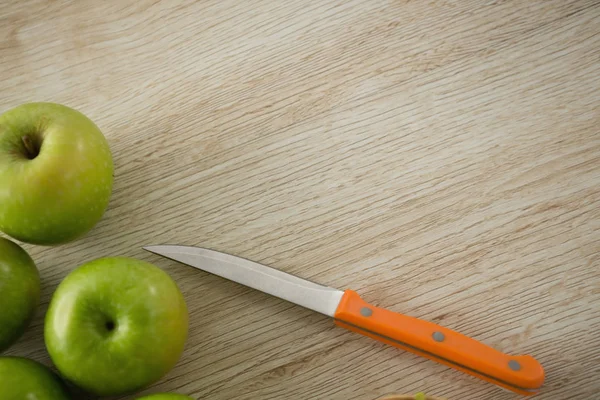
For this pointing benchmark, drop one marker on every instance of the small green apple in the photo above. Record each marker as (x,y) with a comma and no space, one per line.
(56,173)
(115,325)
(19,291)
(165,396)
(24,379)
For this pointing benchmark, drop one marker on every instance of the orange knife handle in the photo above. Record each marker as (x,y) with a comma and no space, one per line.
(520,374)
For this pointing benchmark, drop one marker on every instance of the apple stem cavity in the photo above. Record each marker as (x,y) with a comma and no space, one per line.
(32,148)
(110,326)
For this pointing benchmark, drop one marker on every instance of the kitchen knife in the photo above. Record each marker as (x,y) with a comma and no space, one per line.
(520,374)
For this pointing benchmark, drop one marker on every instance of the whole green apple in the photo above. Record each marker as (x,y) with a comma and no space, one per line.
(56,173)
(165,396)
(115,325)
(23,379)
(19,291)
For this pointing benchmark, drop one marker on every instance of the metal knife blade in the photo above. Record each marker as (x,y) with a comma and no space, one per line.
(288,287)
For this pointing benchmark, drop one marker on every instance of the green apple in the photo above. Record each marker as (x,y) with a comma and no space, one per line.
(56,173)
(115,325)
(165,396)
(19,291)
(23,379)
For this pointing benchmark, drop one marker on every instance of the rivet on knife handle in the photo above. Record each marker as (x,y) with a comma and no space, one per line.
(520,374)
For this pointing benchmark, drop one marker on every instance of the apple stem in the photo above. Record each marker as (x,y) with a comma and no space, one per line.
(30,147)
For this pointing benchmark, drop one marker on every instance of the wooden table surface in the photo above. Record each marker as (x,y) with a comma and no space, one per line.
(442,158)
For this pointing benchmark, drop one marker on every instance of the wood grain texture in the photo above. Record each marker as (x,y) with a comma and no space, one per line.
(441,158)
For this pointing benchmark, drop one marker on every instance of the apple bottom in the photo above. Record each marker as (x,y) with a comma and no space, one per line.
(116,325)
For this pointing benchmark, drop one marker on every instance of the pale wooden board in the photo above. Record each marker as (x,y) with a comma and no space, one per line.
(442,158)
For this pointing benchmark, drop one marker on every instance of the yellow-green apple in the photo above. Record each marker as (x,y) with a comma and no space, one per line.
(115,325)
(24,379)
(165,396)
(19,291)
(56,173)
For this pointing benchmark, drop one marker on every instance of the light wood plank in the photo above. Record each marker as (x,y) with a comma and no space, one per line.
(442,158)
